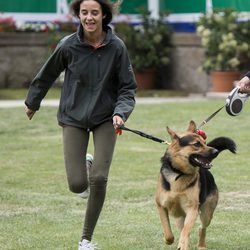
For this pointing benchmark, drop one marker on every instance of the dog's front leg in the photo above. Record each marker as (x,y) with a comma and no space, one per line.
(189,222)
(164,217)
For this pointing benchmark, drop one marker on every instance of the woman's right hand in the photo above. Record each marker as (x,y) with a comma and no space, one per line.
(244,85)
(29,112)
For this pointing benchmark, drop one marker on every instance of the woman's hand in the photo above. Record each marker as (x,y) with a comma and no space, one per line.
(244,85)
(117,121)
(29,112)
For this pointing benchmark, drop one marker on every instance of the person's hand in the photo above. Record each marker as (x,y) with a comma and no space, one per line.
(244,85)
(117,121)
(29,112)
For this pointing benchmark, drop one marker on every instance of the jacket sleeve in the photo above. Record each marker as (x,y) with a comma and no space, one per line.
(126,87)
(45,78)
(248,74)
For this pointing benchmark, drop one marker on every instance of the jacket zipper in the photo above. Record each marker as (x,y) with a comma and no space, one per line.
(91,87)
(98,66)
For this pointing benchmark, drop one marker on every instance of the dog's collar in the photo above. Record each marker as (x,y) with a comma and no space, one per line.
(180,175)
(167,165)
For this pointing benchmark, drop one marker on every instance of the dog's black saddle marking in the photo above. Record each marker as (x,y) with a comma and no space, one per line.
(207,185)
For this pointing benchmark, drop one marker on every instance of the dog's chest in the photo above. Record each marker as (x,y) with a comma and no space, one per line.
(177,203)
(179,195)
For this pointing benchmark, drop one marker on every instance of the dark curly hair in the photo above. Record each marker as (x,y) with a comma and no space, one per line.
(106,5)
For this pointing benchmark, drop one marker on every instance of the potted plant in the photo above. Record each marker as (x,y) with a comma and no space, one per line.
(225,38)
(148,44)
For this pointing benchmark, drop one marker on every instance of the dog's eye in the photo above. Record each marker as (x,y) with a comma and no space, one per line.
(197,144)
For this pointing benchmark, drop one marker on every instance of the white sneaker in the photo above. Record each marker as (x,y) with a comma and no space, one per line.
(89,161)
(86,245)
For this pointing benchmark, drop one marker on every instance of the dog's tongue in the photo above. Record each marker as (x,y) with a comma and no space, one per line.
(201,133)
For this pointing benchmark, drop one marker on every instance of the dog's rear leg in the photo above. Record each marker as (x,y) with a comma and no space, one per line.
(164,217)
(206,216)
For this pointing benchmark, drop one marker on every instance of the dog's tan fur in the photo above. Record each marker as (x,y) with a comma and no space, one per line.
(182,199)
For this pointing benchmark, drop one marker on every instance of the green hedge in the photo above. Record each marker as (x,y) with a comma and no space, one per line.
(128,6)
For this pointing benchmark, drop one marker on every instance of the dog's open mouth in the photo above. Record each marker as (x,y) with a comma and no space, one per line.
(200,161)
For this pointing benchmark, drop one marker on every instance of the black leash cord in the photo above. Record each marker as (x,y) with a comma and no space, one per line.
(210,117)
(153,138)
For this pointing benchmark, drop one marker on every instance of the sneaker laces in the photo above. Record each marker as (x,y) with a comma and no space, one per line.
(89,158)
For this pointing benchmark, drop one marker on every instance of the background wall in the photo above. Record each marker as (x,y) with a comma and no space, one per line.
(21,55)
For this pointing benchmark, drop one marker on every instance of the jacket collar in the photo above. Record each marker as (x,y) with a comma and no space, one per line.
(80,34)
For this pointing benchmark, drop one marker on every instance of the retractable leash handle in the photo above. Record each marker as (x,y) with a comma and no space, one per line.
(235,101)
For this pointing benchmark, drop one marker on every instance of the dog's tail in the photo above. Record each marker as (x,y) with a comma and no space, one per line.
(223,143)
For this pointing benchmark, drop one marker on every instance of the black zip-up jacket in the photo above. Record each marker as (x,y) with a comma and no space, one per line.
(99,83)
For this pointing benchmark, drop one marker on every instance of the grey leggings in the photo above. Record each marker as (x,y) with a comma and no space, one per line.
(75,142)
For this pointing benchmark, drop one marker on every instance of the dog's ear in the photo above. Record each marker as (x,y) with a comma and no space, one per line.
(192,127)
(172,134)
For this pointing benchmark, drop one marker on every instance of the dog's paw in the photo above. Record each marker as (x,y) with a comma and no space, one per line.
(169,240)
(183,246)
(201,247)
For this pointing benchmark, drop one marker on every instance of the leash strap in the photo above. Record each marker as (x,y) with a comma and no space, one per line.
(210,117)
(153,138)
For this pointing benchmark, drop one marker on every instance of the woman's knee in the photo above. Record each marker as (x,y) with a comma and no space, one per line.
(77,186)
(98,180)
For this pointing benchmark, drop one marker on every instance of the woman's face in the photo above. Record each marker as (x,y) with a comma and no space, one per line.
(91,16)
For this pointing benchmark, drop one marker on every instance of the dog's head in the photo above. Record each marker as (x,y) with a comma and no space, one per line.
(188,151)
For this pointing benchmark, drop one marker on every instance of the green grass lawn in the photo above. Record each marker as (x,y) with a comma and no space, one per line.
(15,94)
(38,212)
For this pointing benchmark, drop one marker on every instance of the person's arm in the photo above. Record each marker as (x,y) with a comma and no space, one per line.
(244,83)
(127,88)
(44,80)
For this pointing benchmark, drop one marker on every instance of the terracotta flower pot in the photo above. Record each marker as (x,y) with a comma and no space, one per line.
(145,79)
(222,81)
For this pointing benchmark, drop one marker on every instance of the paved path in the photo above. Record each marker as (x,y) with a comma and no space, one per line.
(139,100)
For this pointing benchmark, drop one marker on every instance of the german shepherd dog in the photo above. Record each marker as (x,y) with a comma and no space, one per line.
(186,187)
